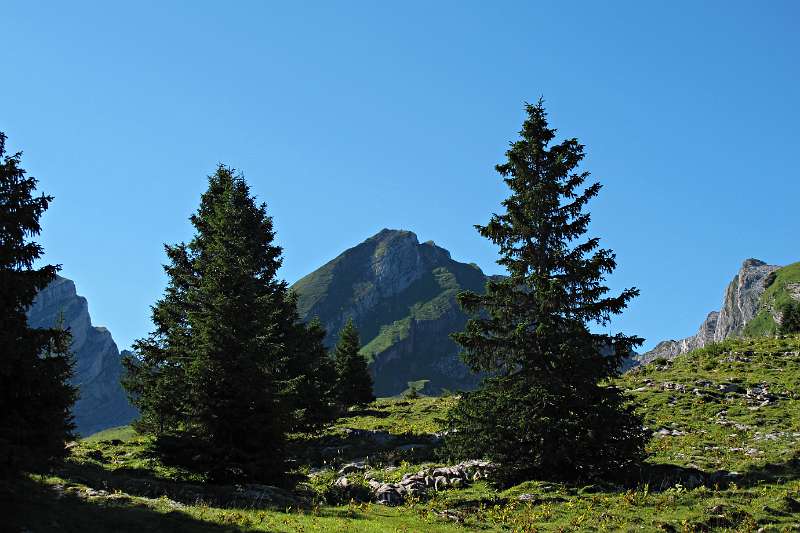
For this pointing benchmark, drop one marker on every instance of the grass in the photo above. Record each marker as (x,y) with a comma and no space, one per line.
(745,452)
(388,336)
(123,433)
(421,416)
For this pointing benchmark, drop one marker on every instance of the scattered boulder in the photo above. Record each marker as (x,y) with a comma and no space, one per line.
(760,395)
(726,388)
(450,514)
(678,387)
(351,468)
(440,478)
(664,432)
(388,494)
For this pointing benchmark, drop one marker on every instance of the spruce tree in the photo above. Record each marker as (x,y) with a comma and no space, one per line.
(353,382)
(209,376)
(309,378)
(547,408)
(35,364)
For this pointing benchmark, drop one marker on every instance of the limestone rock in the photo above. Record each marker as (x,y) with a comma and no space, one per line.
(102,403)
(350,468)
(442,478)
(740,304)
(388,495)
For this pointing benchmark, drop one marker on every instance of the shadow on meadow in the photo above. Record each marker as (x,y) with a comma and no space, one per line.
(139,482)
(771,473)
(387,449)
(660,477)
(35,506)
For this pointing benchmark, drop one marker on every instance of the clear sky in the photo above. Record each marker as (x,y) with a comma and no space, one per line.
(348,117)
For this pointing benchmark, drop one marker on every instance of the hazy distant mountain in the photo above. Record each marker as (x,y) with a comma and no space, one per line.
(102,402)
(401,295)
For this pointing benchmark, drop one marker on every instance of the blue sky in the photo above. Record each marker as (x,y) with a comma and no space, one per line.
(349,117)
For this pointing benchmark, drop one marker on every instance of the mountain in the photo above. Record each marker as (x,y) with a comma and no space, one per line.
(749,307)
(401,296)
(102,402)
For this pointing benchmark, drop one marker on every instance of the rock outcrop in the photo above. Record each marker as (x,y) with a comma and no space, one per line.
(739,306)
(742,298)
(401,296)
(417,485)
(102,402)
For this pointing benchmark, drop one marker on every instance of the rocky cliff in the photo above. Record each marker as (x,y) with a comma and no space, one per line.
(401,296)
(102,402)
(741,303)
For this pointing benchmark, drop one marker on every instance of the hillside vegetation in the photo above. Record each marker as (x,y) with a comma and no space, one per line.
(724,457)
(784,287)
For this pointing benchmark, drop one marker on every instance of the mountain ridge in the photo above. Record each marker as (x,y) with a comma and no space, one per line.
(101,403)
(401,295)
(742,302)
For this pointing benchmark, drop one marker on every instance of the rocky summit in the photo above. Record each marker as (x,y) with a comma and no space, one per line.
(102,402)
(744,299)
(401,296)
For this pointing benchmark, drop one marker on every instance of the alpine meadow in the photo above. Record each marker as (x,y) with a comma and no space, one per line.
(232,190)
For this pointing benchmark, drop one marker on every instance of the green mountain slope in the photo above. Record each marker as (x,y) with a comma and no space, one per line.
(783,286)
(401,295)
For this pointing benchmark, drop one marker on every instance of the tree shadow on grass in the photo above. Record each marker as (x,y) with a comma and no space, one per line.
(35,506)
(332,450)
(247,496)
(664,476)
(770,473)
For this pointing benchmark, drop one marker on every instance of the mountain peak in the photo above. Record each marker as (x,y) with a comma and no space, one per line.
(390,234)
(752,262)
(401,295)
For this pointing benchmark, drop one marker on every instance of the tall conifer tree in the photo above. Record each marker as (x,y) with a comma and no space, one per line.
(210,373)
(353,382)
(35,364)
(546,409)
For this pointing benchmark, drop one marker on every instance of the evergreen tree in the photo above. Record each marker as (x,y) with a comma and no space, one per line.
(353,382)
(209,375)
(790,317)
(546,408)
(35,364)
(309,379)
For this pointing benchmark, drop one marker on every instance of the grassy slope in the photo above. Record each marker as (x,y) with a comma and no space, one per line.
(775,295)
(713,431)
(123,433)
